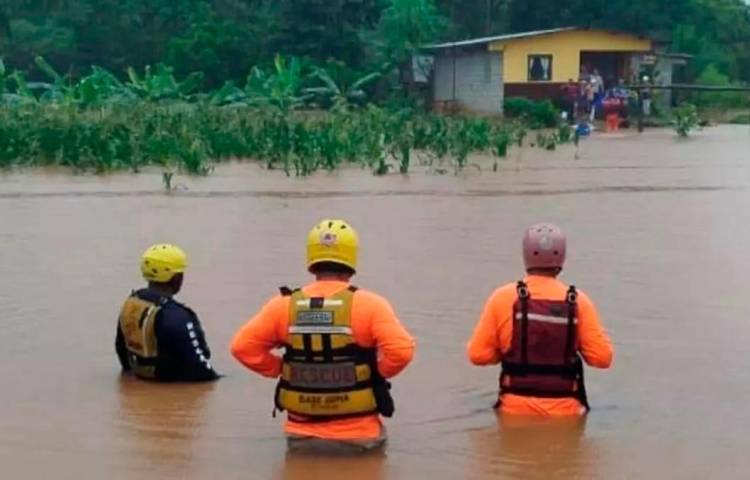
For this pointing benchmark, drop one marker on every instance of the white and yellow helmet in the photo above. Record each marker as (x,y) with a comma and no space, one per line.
(333,241)
(163,261)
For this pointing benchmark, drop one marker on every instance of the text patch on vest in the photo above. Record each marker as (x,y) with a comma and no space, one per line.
(314,317)
(310,375)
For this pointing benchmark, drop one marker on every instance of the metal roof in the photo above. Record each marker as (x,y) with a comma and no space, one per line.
(497,38)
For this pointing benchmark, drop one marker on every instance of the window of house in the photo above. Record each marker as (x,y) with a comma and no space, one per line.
(540,68)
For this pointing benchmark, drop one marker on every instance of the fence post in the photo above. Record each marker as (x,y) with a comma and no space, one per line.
(639,101)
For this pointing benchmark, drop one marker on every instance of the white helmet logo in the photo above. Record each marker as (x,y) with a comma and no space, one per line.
(328,239)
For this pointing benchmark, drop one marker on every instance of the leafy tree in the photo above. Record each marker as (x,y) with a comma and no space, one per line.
(405,26)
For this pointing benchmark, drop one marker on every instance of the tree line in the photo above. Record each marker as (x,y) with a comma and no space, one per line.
(225,39)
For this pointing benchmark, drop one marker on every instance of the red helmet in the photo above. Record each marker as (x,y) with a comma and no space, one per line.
(544,246)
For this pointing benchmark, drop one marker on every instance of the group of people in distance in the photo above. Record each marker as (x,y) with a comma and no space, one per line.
(588,97)
(341,344)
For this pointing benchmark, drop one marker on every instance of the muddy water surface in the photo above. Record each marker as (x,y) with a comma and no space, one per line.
(658,236)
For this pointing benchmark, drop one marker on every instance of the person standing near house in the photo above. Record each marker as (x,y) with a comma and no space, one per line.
(598,86)
(612,107)
(570,95)
(541,331)
(646,96)
(599,82)
(340,345)
(590,93)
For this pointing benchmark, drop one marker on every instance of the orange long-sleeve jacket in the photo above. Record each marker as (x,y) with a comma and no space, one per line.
(374,325)
(494,332)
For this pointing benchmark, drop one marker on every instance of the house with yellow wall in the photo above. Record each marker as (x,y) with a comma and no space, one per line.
(477,74)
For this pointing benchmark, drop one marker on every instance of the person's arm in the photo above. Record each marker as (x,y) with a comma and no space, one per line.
(484,346)
(180,336)
(252,345)
(593,342)
(394,345)
(121,349)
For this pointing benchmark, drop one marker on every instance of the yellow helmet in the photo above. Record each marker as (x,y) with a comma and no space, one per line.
(333,241)
(162,261)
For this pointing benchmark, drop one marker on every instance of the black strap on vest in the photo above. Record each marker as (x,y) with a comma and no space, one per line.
(287,292)
(523,296)
(571,299)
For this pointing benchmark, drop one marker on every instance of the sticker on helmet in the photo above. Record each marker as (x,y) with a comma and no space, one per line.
(545,243)
(328,239)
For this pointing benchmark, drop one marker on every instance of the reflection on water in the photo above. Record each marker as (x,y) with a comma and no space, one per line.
(161,422)
(527,447)
(333,466)
(658,238)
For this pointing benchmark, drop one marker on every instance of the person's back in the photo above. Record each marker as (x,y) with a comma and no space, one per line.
(540,329)
(340,343)
(159,338)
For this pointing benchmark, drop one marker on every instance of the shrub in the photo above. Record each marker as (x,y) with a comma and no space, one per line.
(537,114)
(685,119)
(712,76)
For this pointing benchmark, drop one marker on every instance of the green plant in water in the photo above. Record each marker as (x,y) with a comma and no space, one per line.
(501,138)
(564,132)
(685,119)
(166,180)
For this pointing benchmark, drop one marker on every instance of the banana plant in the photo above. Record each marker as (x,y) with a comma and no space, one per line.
(281,89)
(161,84)
(341,96)
(59,91)
(102,86)
(228,95)
(23,94)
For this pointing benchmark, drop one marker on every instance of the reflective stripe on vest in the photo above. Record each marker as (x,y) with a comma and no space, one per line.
(137,322)
(542,360)
(325,374)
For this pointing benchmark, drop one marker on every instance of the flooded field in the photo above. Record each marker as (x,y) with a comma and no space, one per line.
(658,232)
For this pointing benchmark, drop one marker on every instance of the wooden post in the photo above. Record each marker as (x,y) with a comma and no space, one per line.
(639,96)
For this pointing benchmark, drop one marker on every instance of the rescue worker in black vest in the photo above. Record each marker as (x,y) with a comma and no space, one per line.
(341,343)
(159,338)
(540,330)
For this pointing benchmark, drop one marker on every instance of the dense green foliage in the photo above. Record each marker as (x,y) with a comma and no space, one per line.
(537,114)
(711,76)
(226,38)
(192,137)
(302,85)
(154,117)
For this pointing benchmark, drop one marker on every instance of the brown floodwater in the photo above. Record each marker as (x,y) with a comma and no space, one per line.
(659,236)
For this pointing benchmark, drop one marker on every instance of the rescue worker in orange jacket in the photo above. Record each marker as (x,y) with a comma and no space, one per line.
(340,345)
(159,338)
(540,330)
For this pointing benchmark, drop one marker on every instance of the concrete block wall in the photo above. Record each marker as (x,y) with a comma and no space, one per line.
(478,78)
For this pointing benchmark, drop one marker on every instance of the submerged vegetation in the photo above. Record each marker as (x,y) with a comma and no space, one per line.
(685,119)
(192,137)
(287,119)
